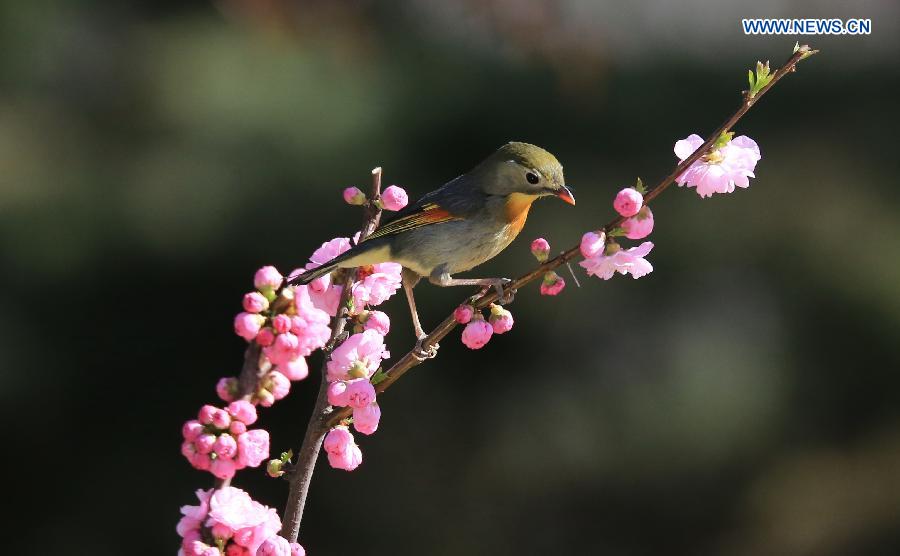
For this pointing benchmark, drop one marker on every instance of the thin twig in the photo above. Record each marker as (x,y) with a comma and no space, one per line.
(410,360)
(301,474)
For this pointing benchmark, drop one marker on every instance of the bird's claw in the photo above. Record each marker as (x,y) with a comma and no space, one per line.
(421,353)
(504,295)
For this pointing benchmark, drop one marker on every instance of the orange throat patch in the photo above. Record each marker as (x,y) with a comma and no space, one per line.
(517,206)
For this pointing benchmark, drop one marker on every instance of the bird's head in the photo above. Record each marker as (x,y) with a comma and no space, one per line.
(524,169)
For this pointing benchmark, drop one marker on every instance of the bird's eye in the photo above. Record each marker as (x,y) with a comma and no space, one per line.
(532,178)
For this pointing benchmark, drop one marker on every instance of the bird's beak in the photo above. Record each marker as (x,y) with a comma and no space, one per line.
(566,195)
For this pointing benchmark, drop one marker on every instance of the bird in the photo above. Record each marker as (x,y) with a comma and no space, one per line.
(467,221)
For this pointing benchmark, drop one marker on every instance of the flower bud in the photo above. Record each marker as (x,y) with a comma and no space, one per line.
(354,196)
(477,333)
(394,198)
(463,314)
(267,277)
(592,243)
(628,202)
(552,284)
(540,248)
(281,323)
(265,337)
(247,325)
(501,319)
(365,419)
(226,388)
(640,225)
(275,468)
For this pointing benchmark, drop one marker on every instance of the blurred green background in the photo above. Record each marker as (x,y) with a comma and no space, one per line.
(742,399)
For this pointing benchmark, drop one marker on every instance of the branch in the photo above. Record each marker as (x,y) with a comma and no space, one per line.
(409,360)
(301,473)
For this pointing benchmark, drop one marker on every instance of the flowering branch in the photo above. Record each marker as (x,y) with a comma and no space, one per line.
(750,98)
(301,474)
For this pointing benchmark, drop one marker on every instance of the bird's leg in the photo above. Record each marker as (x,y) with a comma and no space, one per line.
(440,277)
(410,279)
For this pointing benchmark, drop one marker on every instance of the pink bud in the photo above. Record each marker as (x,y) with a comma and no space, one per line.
(337,394)
(274,546)
(281,323)
(354,196)
(278,384)
(463,314)
(295,369)
(477,333)
(204,443)
(540,248)
(201,461)
(501,319)
(265,337)
(237,550)
(552,284)
(191,429)
(337,439)
(628,202)
(237,428)
(640,225)
(264,398)
(226,388)
(253,447)
(223,468)
(221,419)
(267,277)
(592,243)
(225,446)
(348,460)
(360,392)
(365,419)
(255,302)
(379,322)
(394,198)
(221,531)
(247,325)
(206,414)
(243,411)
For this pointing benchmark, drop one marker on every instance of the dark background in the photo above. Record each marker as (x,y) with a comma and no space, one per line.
(744,398)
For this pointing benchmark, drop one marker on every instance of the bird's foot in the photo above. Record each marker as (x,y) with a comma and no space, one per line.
(421,353)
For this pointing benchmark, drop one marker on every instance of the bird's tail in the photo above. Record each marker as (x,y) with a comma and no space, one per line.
(335,263)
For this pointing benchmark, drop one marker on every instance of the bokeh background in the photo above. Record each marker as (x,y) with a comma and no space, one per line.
(742,399)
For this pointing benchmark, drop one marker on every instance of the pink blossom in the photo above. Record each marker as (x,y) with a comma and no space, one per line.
(477,333)
(274,546)
(247,325)
(198,513)
(285,347)
(225,446)
(343,453)
(640,225)
(267,277)
(226,388)
(223,468)
(295,369)
(310,324)
(281,323)
(365,419)
(191,429)
(592,243)
(235,509)
(327,300)
(243,411)
(187,524)
(378,285)
(552,284)
(722,169)
(265,337)
(337,394)
(360,393)
(253,447)
(628,202)
(630,261)
(236,550)
(379,322)
(278,384)
(361,353)
(320,284)
(354,196)
(501,319)
(394,198)
(540,248)
(210,415)
(255,302)
(253,537)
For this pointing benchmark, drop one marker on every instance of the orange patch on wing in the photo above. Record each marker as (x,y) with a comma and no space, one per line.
(429,214)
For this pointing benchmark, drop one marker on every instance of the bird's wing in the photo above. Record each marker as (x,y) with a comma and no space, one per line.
(423,215)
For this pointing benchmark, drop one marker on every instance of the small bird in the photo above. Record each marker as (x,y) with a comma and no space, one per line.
(468,221)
